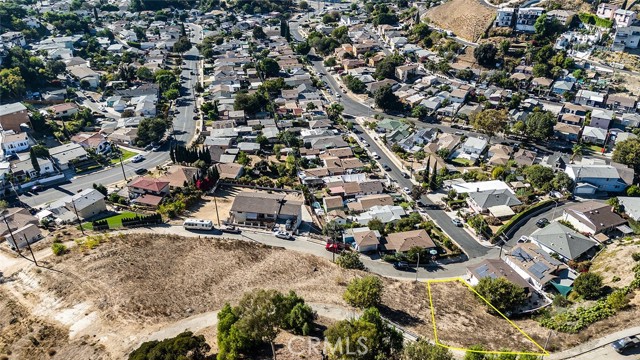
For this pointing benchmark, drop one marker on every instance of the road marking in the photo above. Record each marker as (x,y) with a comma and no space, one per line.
(435,331)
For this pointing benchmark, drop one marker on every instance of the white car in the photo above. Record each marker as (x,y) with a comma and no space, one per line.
(282,235)
(375,155)
(406,189)
(523,239)
(137,158)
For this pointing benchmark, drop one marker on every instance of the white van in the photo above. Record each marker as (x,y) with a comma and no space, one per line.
(198,224)
(375,155)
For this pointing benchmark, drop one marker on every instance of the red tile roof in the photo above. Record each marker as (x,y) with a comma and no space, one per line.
(150,184)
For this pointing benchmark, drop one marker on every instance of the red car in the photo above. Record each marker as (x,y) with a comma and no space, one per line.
(336,247)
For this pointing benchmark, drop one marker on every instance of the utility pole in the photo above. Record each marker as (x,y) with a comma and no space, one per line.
(77,216)
(546,343)
(114,147)
(216,203)
(417,266)
(4,217)
(31,251)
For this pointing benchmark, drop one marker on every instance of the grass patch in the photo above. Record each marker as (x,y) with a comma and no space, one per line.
(595,148)
(462,162)
(113,221)
(126,154)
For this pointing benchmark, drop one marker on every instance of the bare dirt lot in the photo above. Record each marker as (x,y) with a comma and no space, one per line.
(467,19)
(616,261)
(102,303)
(494,333)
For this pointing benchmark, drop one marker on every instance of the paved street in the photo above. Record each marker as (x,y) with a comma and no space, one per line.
(183,123)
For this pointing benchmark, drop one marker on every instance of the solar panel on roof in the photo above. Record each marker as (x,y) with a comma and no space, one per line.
(538,269)
(522,255)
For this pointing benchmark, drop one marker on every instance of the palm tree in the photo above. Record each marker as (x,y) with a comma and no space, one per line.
(577,150)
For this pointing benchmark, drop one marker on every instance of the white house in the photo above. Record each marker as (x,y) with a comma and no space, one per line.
(527,17)
(505,17)
(14,143)
(626,37)
(474,145)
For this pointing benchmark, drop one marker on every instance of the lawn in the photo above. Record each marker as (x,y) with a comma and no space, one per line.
(462,162)
(125,155)
(113,221)
(595,148)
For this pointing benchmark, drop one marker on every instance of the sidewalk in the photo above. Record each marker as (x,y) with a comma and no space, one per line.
(594,344)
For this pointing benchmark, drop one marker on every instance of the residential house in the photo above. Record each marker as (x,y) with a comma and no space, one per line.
(624,18)
(485,201)
(95,141)
(601,118)
(626,38)
(229,170)
(260,208)
(589,98)
(12,143)
(561,87)
(402,242)
(63,110)
(599,177)
(365,203)
(505,17)
(606,10)
(404,72)
(385,214)
(621,103)
(524,157)
(535,265)
(148,191)
(629,120)
(22,224)
(474,146)
(563,16)
(593,217)
(556,238)
(631,206)
(465,187)
(332,203)
(86,204)
(362,239)
(12,115)
(23,169)
(497,268)
(499,154)
(594,135)
(64,155)
(526,18)
(556,161)
(566,132)
(179,176)
(85,73)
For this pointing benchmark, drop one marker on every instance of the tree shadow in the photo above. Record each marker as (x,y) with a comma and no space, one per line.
(400,317)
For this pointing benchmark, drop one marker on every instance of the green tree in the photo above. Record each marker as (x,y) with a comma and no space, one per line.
(259,316)
(628,152)
(12,84)
(562,181)
(171,94)
(364,292)
(182,44)
(539,125)
(185,346)
(303,48)
(354,84)
(334,111)
(144,73)
(243,159)
(576,150)
(501,293)
(303,5)
(485,54)
(151,130)
(424,350)
(370,338)
(491,121)
(386,100)
(474,354)
(258,33)
(375,224)
(269,67)
(333,230)
(539,176)
(588,285)
(420,112)
(350,260)
(633,190)
(34,161)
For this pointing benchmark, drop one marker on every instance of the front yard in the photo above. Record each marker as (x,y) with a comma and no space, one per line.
(113,221)
(126,154)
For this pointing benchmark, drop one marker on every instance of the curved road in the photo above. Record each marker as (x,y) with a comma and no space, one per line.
(183,124)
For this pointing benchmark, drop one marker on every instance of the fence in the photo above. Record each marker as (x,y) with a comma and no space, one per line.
(135,221)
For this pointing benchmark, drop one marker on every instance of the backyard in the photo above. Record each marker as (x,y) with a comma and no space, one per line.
(114,221)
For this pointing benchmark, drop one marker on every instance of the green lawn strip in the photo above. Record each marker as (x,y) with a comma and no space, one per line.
(113,221)
(125,155)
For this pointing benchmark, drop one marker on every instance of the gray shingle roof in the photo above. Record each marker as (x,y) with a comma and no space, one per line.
(563,240)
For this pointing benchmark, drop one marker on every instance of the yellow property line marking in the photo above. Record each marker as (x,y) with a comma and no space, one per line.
(435,331)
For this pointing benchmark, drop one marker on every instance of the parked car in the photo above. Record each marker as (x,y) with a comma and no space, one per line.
(375,155)
(386,167)
(401,265)
(523,239)
(406,189)
(336,247)
(542,222)
(36,188)
(626,343)
(283,235)
(405,175)
(230,229)
(137,158)
(457,222)
(141,171)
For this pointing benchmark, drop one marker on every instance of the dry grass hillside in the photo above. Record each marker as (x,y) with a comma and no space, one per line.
(102,303)
(467,19)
